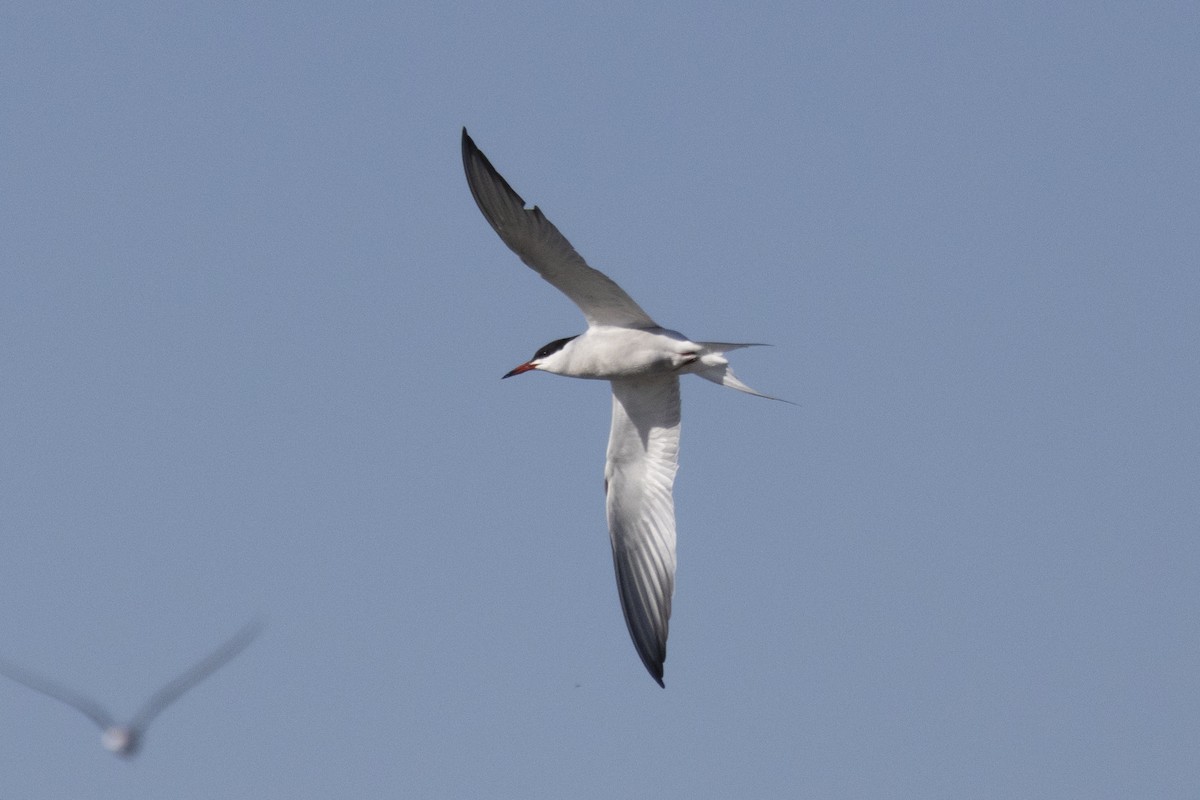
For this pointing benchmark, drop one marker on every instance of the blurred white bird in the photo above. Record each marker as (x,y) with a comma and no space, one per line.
(643,362)
(126,740)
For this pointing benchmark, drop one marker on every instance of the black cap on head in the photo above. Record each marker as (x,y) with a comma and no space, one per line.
(553,347)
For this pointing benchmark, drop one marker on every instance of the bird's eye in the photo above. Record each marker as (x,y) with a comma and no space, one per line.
(553,347)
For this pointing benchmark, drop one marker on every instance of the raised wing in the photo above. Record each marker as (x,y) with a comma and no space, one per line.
(90,707)
(643,454)
(171,692)
(534,238)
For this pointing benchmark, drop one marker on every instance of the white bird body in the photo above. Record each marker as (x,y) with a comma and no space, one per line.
(121,739)
(606,352)
(643,362)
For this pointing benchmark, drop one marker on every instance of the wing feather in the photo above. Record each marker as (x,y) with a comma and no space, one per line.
(534,238)
(643,455)
(86,705)
(196,673)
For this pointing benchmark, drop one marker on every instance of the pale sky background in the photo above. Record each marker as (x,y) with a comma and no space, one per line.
(252,327)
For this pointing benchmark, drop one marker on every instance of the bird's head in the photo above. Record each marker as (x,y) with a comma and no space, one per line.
(548,358)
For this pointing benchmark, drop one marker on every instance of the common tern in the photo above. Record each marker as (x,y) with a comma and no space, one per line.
(643,362)
(126,740)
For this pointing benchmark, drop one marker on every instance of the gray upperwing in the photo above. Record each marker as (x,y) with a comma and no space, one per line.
(93,710)
(201,670)
(534,238)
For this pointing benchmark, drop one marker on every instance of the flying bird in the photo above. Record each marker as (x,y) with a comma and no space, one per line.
(642,361)
(126,740)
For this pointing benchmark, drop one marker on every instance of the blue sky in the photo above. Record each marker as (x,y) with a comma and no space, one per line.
(252,328)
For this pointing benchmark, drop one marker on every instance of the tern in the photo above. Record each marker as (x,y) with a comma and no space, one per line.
(126,740)
(643,362)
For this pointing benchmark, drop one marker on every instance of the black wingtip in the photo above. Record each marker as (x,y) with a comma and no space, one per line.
(468,145)
(655,670)
(472,154)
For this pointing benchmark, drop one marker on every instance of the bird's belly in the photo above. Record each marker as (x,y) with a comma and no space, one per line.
(629,354)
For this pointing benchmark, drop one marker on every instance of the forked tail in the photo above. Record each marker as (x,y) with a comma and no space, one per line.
(713,366)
